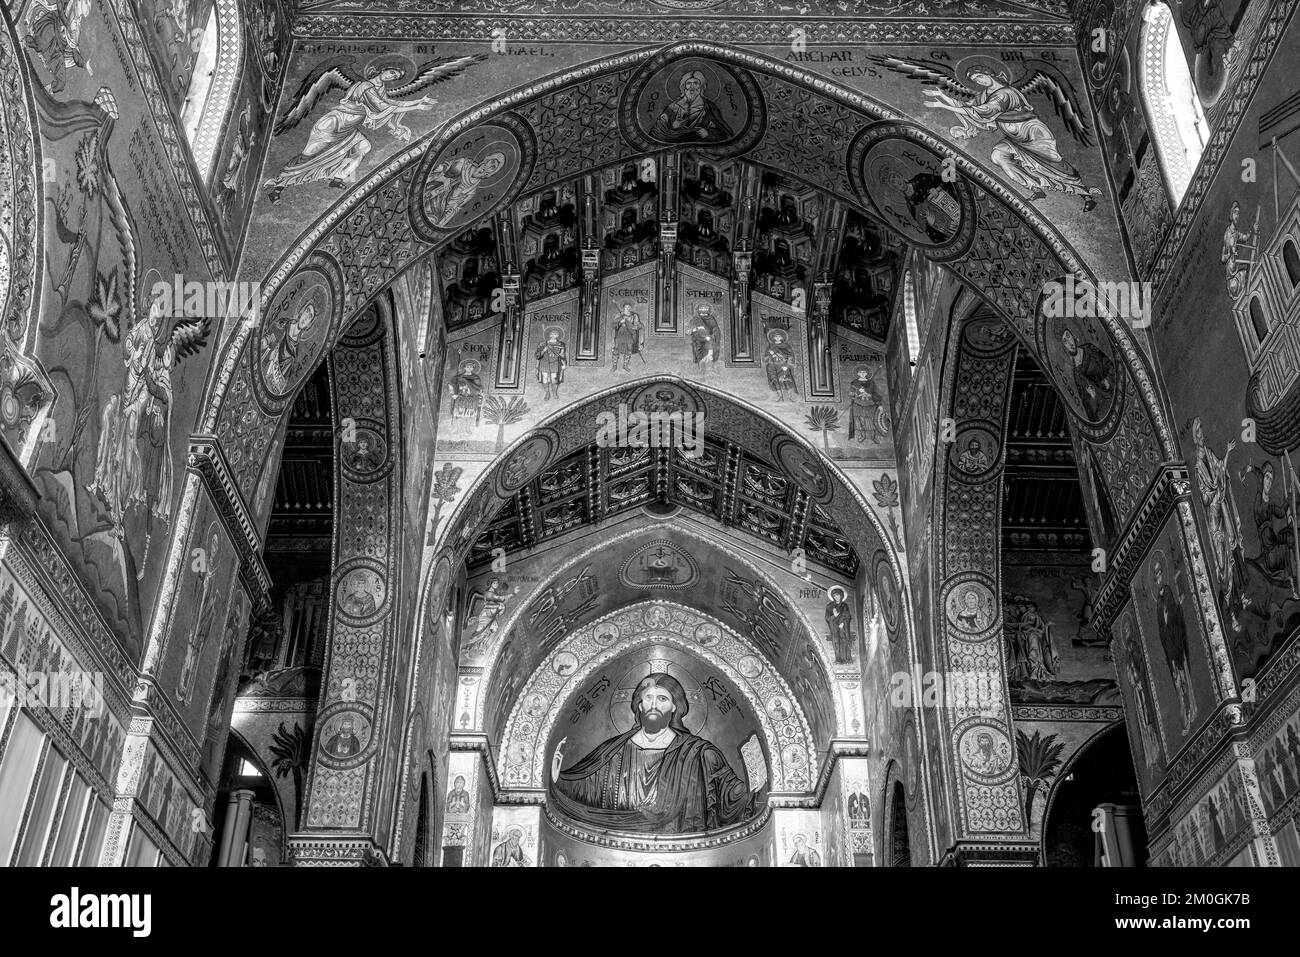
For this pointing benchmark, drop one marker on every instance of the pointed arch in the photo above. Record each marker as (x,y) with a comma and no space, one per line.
(380,229)
(1169,96)
(208,101)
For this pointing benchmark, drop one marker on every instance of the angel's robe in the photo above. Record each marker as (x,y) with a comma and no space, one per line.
(337,144)
(1028,143)
(684,788)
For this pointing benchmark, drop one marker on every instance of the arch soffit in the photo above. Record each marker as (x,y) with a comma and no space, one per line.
(492,656)
(789,739)
(401,249)
(574,427)
(1065,770)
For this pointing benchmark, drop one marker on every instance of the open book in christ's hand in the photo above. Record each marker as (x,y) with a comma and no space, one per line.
(751,752)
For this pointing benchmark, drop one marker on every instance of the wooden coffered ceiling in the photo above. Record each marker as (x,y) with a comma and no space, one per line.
(724,482)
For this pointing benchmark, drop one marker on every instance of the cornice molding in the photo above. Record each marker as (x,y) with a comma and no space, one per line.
(1169,486)
(18,494)
(209,462)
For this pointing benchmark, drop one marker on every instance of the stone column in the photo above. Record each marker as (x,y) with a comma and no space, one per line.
(234,835)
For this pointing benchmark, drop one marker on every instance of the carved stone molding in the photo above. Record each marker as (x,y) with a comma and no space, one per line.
(18,495)
(206,458)
(656,842)
(344,850)
(479,743)
(1066,712)
(971,854)
(1169,485)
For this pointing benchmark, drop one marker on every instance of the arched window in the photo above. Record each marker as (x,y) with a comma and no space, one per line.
(900,845)
(910,318)
(1178,126)
(1291,260)
(1257,320)
(212,84)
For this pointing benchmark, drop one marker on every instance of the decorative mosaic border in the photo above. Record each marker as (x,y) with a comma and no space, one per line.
(625,842)
(352,26)
(1217,149)
(166,124)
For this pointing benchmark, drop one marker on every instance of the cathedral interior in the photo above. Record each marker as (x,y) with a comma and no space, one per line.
(545,433)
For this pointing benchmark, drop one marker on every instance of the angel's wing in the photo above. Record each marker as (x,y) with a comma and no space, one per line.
(435,71)
(929,71)
(335,74)
(1046,80)
(188,334)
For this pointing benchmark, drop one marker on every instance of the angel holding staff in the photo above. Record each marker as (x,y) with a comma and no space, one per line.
(371,101)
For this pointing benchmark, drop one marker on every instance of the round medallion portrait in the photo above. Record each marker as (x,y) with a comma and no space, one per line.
(480,170)
(344,737)
(565,664)
(913,190)
(802,464)
(970,608)
(985,751)
(988,335)
(524,463)
(294,332)
(693,102)
(974,453)
(888,598)
(665,397)
(606,633)
(364,451)
(360,593)
(535,706)
(794,756)
(778,706)
(707,634)
(1081,363)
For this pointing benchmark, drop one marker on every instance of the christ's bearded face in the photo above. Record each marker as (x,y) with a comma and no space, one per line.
(302,322)
(655,709)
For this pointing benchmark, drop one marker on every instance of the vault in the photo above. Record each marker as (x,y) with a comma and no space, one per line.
(594,582)
(545,711)
(831,138)
(825,497)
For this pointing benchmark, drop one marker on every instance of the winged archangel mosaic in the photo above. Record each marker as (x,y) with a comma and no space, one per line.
(374,98)
(986,97)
